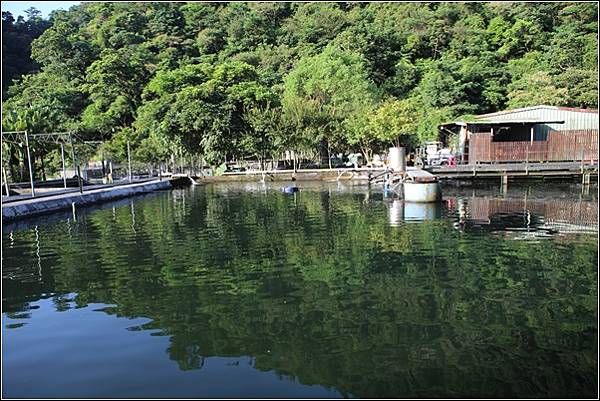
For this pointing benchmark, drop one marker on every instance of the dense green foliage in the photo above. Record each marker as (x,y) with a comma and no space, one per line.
(16,44)
(200,77)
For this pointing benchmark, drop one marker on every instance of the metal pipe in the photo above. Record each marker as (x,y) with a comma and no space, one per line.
(29,163)
(75,169)
(5,181)
(62,158)
(129,160)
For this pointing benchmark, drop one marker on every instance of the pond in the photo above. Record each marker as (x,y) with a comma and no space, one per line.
(239,290)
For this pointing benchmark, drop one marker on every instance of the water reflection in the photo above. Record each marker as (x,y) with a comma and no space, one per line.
(400,211)
(521,213)
(328,288)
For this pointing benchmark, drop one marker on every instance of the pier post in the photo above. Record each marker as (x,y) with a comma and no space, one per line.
(29,163)
(585,179)
(585,187)
(504,182)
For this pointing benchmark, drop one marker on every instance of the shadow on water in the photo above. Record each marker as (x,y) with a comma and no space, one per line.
(332,286)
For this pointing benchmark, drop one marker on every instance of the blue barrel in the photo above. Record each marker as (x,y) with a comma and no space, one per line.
(289,190)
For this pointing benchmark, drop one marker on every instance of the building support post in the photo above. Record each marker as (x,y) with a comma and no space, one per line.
(531,135)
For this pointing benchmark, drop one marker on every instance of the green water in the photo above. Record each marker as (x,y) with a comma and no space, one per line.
(243,291)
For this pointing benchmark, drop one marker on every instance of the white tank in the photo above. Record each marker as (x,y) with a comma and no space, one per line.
(422,192)
(397,158)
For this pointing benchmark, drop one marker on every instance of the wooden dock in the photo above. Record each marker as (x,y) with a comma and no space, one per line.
(517,170)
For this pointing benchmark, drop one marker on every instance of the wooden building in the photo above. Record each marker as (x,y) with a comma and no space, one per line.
(533,134)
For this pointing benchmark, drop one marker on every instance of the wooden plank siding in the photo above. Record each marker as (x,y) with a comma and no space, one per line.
(573,145)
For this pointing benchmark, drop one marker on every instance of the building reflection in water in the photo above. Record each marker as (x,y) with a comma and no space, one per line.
(512,213)
(565,216)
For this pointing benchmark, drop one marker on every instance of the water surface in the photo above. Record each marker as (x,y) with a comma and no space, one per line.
(243,291)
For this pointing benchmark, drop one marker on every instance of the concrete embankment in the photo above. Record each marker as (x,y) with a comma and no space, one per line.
(38,206)
(290,175)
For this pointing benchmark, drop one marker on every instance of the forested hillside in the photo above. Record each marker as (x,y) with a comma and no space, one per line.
(252,80)
(17,36)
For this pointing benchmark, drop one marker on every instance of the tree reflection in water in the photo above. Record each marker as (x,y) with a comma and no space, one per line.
(339,287)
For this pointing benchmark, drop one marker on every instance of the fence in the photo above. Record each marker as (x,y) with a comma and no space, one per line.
(573,145)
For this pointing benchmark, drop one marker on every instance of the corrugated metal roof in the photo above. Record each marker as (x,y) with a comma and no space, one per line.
(537,108)
(512,121)
(572,119)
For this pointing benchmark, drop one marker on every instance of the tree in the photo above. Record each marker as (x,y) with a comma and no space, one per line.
(265,134)
(114,84)
(581,86)
(534,89)
(199,75)
(394,122)
(336,85)
(17,37)
(205,107)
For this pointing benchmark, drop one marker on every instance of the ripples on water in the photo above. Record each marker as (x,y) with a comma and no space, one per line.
(240,290)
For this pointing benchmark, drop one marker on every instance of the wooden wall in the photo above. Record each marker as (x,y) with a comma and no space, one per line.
(574,145)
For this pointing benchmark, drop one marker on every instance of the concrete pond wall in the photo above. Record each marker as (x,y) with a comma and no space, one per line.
(38,206)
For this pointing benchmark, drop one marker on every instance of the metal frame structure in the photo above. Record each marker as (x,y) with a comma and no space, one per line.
(23,138)
(61,138)
(20,143)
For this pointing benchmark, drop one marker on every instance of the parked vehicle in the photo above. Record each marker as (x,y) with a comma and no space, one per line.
(442,157)
(354,160)
(433,154)
(234,168)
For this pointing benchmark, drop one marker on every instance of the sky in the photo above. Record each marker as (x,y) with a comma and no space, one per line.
(17,8)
